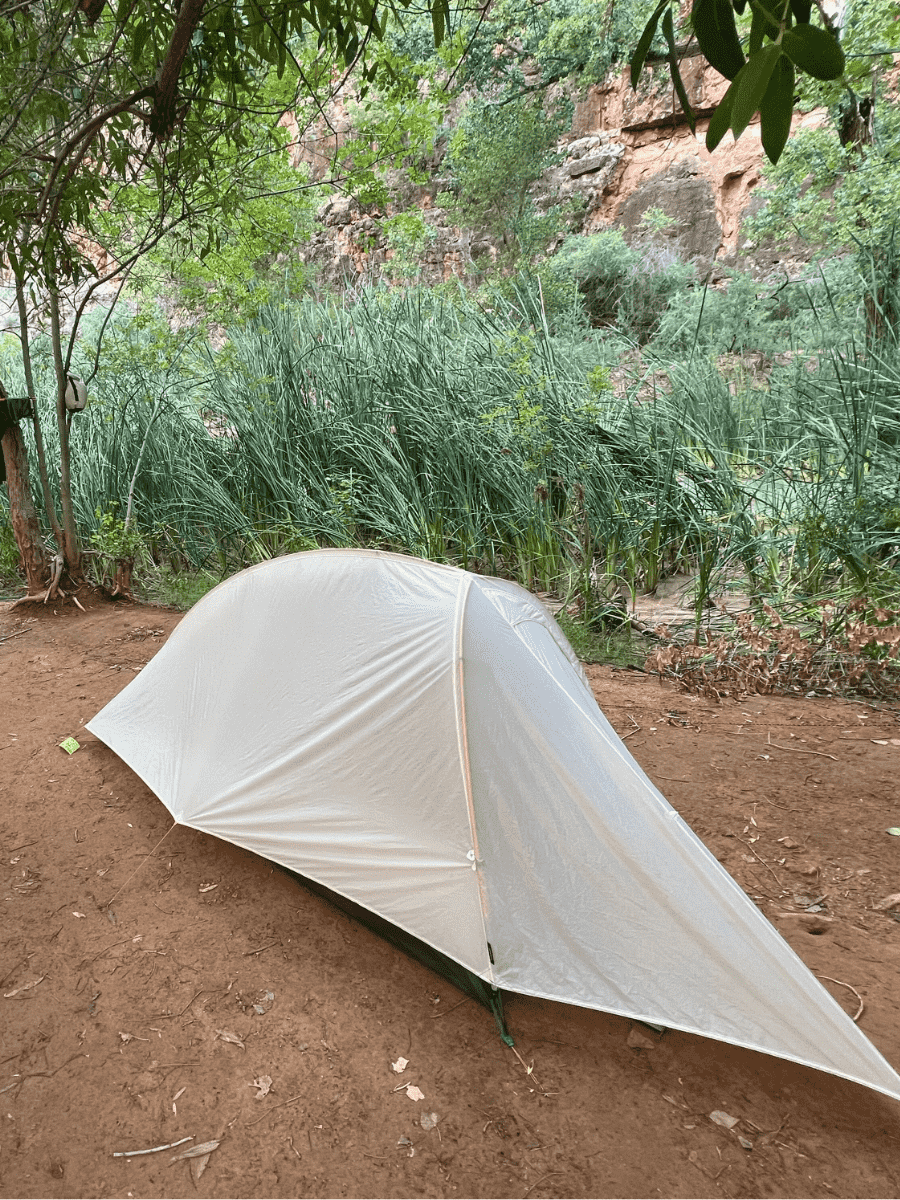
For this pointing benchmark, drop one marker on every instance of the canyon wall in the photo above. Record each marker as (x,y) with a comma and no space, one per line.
(627,152)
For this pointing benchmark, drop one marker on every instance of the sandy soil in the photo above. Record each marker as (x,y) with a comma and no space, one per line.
(119,1047)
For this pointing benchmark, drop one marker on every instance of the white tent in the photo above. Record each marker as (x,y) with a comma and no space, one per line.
(423,741)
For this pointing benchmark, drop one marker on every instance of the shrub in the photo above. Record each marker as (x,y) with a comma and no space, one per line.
(619,285)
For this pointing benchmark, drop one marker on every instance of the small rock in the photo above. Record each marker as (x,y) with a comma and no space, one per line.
(746,1143)
(640,1041)
(722,1118)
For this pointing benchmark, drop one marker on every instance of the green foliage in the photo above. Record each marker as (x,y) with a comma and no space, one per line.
(9,556)
(739,317)
(835,187)
(595,644)
(406,235)
(152,127)
(172,588)
(394,126)
(424,422)
(656,221)
(249,241)
(577,40)
(496,153)
(832,197)
(620,285)
(112,538)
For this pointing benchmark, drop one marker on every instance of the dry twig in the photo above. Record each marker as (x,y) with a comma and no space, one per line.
(861,1009)
(272,1109)
(799,749)
(541,1180)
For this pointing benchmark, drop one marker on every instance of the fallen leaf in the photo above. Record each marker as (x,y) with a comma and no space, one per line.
(414,1094)
(25,987)
(77,914)
(746,1143)
(227,1036)
(886,741)
(198,1166)
(127,1037)
(201,1151)
(429,1120)
(892,901)
(723,1119)
(208,887)
(264,1083)
(400,1065)
(70,746)
(894,831)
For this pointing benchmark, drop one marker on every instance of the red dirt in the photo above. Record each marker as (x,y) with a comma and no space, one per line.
(116,1048)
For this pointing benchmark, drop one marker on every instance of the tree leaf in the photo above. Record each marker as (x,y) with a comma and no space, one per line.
(645,42)
(771,24)
(677,81)
(757,29)
(720,122)
(801,10)
(777,109)
(814,51)
(751,86)
(139,40)
(717,36)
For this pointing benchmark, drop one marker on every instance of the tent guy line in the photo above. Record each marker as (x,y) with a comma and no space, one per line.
(139,867)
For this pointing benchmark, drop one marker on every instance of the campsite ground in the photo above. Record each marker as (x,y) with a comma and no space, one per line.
(129,1038)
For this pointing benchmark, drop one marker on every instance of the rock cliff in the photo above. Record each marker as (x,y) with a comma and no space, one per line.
(626,152)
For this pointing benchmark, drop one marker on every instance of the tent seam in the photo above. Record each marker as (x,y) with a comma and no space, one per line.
(463,745)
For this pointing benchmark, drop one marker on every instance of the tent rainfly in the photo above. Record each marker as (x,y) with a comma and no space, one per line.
(422,741)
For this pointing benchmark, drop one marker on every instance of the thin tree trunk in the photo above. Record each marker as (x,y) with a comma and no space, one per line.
(70,548)
(22,513)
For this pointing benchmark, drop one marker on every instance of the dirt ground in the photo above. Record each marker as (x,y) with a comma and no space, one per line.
(129,1039)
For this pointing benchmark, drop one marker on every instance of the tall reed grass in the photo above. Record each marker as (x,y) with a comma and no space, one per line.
(421,422)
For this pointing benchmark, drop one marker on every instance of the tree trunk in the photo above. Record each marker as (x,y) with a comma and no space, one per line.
(22,513)
(70,549)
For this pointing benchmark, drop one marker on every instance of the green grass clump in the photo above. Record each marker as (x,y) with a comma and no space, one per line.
(618,646)
(175,589)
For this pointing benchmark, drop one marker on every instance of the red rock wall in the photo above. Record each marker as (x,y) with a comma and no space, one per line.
(649,126)
(627,151)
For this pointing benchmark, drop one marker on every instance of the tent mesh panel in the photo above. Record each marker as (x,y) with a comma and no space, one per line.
(460,976)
